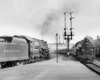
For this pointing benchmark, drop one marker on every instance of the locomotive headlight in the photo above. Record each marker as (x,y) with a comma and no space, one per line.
(91,49)
(82,49)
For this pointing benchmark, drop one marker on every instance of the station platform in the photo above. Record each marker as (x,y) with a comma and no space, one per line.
(96,62)
(67,68)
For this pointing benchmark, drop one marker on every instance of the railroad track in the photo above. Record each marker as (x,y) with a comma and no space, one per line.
(93,67)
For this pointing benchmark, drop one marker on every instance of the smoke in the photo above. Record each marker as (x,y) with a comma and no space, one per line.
(44,18)
(72,6)
(54,15)
(46,25)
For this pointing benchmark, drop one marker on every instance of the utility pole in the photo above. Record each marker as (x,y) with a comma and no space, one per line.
(59,39)
(63,40)
(68,37)
(57,46)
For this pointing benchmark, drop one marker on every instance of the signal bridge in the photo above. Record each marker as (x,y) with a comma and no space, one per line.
(60,46)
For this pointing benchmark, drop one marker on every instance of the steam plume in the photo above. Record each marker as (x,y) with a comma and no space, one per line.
(55,15)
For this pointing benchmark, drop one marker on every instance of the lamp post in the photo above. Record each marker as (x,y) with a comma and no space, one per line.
(59,39)
(57,46)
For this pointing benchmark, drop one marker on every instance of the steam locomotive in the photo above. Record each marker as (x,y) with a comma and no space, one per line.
(84,50)
(15,50)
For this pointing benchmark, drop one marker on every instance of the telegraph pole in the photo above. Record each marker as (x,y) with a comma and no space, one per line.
(57,46)
(59,39)
(68,37)
(63,40)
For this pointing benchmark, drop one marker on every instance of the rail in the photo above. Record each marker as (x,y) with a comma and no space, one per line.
(93,67)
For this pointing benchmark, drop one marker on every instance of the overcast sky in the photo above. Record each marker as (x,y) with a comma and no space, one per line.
(42,19)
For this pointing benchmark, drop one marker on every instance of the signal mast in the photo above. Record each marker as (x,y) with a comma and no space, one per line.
(69,36)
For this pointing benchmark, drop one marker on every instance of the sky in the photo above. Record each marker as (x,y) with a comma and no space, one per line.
(42,19)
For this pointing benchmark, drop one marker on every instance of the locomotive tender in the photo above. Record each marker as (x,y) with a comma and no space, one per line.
(15,50)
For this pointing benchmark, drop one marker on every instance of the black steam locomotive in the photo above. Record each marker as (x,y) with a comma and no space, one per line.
(15,50)
(84,50)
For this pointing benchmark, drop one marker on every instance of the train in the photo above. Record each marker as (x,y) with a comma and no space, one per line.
(19,49)
(84,50)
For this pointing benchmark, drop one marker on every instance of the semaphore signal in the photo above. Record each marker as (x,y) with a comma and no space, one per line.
(69,36)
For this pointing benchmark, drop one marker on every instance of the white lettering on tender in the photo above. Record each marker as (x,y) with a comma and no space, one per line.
(11,50)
